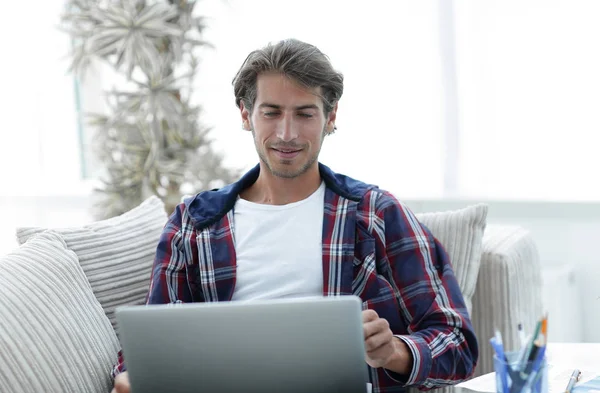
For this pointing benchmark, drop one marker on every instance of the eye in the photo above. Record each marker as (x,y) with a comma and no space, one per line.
(305,115)
(270,114)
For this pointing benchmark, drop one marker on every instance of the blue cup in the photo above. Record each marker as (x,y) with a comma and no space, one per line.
(511,377)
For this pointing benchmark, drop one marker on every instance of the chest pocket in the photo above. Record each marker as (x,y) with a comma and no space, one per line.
(371,274)
(365,273)
(364,248)
(364,252)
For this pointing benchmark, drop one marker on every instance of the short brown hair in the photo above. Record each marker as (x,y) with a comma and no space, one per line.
(302,62)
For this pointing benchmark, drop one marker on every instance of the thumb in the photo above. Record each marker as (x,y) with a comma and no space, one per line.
(122,384)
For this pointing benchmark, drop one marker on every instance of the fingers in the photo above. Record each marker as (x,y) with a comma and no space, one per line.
(379,345)
(376,331)
(375,326)
(122,384)
(369,315)
(380,356)
(380,339)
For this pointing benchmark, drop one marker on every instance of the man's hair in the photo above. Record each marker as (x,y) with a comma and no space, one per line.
(299,61)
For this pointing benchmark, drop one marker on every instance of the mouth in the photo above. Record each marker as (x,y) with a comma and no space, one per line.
(287,153)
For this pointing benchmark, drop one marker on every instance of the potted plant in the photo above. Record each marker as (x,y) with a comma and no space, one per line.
(151,139)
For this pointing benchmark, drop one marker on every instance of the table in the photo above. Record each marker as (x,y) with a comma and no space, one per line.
(584,356)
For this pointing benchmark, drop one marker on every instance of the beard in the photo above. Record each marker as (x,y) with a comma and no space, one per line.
(287,169)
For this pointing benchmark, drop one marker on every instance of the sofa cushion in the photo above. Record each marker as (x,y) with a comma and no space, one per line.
(509,289)
(461,234)
(54,335)
(116,254)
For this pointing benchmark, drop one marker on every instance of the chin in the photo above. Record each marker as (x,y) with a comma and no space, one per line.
(286,173)
(287,170)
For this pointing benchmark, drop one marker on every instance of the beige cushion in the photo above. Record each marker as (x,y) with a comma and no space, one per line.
(116,254)
(509,289)
(54,335)
(461,234)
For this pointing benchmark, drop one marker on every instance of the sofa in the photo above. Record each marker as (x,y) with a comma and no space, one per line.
(59,290)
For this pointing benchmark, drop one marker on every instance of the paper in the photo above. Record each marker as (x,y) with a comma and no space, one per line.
(558,377)
(485,383)
(592,386)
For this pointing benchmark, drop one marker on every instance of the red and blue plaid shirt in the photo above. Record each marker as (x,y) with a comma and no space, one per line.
(373,247)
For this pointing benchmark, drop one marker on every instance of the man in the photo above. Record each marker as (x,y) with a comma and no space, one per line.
(292,228)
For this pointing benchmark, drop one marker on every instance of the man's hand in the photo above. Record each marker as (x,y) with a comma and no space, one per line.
(122,383)
(383,349)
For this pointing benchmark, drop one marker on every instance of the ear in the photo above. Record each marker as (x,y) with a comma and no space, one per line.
(331,119)
(245,117)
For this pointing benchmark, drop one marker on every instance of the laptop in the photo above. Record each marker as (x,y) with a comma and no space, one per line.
(308,345)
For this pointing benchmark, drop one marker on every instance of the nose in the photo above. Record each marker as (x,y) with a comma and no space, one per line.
(287,129)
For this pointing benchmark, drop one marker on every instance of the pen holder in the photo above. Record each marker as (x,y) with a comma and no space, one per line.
(511,377)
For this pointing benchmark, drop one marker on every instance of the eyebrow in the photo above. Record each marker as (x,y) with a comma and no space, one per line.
(298,108)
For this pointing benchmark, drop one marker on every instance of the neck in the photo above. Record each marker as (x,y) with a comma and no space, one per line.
(274,190)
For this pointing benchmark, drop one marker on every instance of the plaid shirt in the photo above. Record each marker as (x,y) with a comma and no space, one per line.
(373,247)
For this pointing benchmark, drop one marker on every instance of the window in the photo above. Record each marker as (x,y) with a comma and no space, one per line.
(529,96)
(443,98)
(390,116)
(39,144)
(461,99)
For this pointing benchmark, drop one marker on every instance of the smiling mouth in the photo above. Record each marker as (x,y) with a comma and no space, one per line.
(287,154)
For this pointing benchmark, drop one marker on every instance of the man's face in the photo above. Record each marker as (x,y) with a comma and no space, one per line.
(288,125)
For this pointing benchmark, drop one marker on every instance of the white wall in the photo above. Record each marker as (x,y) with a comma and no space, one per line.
(39,144)
(565,233)
(47,211)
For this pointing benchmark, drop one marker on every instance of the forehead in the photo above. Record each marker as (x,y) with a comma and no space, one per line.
(277,89)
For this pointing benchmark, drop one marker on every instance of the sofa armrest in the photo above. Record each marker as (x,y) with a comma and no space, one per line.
(508,291)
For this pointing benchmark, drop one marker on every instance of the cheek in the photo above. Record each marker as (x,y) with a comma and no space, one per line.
(315,131)
(260,129)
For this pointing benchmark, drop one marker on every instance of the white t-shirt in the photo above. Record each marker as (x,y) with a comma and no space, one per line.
(278,248)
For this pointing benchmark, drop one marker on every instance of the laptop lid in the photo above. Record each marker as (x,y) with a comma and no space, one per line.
(293,345)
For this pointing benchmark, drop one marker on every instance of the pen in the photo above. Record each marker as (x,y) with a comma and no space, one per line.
(537,366)
(521,352)
(574,378)
(522,339)
(498,346)
(533,355)
(544,329)
(525,355)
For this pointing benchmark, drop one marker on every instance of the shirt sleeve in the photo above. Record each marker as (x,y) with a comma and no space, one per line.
(440,335)
(171,280)
(119,367)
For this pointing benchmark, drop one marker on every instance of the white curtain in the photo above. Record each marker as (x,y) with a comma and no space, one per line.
(529,99)
(521,76)
(390,116)
(474,99)
(39,144)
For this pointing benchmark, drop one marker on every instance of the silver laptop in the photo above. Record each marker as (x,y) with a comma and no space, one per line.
(307,345)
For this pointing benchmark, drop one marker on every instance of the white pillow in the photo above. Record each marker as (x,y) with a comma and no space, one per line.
(116,254)
(461,234)
(54,335)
